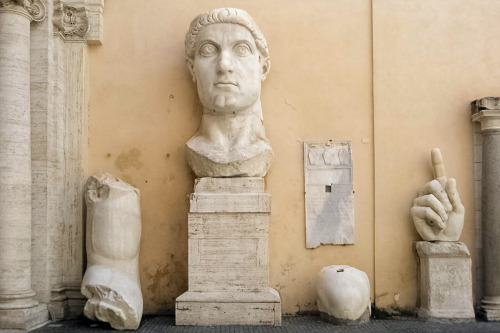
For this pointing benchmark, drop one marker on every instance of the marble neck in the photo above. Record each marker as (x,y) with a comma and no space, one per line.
(255,109)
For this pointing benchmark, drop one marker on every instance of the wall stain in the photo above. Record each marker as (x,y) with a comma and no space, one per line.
(155,279)
(288,268)
(129,160)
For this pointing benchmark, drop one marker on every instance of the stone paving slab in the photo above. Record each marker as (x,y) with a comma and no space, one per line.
(291,324)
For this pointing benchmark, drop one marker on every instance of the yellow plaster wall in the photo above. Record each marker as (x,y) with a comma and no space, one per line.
(431,59)
(144,107)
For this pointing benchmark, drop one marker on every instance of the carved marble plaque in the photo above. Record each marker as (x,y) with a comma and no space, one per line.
(329,193)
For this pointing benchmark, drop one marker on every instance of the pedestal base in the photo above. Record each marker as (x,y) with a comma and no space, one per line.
(228,271)
(24,318)
(444,280)
(229,308)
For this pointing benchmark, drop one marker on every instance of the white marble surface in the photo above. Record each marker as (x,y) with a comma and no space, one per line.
(111,281)
(228,58)
(329,193)
(437,212)
(344,294)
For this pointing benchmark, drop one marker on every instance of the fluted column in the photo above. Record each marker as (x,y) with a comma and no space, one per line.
(487,112)
(18,308)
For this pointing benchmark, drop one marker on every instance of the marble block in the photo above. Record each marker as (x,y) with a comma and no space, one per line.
(111,282)
(343,295)
(329,193)
(228,271)
(444,280)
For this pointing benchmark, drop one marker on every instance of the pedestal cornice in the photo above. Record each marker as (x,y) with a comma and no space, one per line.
(33,9)
(487,111)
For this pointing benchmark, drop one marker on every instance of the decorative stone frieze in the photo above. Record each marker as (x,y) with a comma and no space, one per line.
(71,20)
(487,112)
(35,9)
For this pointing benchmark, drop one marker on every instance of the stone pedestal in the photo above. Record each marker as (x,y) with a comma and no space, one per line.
(229,256)
(487,112)
(444,280)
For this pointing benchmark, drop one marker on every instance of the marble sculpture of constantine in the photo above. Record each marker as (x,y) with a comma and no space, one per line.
(228,58)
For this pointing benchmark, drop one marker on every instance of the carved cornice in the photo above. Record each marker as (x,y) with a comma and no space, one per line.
(487,111)
(35,9)
(71,20)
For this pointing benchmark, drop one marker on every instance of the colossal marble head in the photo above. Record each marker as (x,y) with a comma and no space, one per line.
(228,58)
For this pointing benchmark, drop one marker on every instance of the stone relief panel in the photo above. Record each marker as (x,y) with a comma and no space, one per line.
(70,20)
(329,195)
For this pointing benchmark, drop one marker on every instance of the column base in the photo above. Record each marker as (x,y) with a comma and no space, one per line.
(66,303)
(24,318)
(261,307)
(76,301)
(490,309)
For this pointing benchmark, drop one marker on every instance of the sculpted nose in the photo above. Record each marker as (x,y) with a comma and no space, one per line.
(225,64)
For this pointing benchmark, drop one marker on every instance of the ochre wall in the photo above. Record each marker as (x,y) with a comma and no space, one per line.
(431,59)
(144,107)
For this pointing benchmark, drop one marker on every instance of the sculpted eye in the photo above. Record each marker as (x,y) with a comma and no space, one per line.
(208,50)
(242,50)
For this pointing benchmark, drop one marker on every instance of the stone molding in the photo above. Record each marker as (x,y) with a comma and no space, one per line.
(439,249)
(487,111)
(34,9)
(96,22)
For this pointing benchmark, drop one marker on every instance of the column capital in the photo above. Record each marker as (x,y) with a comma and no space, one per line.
(487,111)
(71,20)
(34,9)
(79,20)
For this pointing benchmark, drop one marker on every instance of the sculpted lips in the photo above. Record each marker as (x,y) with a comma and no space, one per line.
(225,84)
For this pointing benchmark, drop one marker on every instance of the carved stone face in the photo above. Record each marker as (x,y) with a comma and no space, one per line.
(227,67)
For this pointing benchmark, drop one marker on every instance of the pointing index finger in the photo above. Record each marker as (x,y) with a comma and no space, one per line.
(438,166)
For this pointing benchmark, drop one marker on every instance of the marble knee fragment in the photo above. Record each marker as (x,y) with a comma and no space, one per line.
(343,295)
(111,282)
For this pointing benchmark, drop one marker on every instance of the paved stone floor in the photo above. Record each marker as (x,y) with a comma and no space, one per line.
(292,324)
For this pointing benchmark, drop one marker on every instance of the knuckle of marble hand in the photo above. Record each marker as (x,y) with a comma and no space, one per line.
(429,213)
(435,186)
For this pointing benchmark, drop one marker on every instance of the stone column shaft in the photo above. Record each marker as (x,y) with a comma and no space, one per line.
(18,307)
(15,160)
(487,112)
(491,212)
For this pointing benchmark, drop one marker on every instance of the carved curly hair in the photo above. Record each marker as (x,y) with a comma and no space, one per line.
(226,15)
